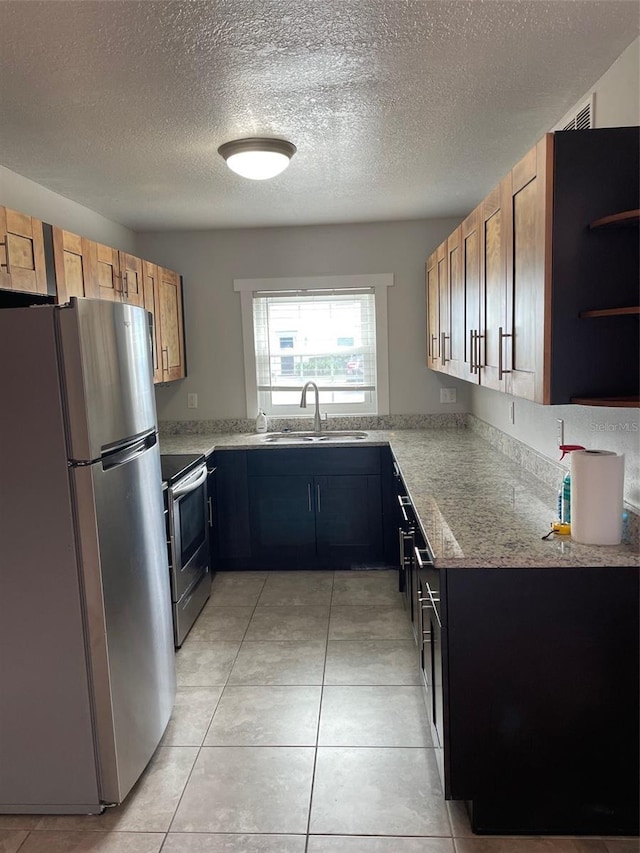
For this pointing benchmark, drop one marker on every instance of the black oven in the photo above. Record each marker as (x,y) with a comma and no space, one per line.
(187,512)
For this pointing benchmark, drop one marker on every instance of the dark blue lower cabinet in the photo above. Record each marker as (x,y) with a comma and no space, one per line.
(349,519)
(303,521)
(282,518)
(541,699)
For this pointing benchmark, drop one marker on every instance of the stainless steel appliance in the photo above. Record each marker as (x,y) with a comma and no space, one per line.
(86,649)
(188,510)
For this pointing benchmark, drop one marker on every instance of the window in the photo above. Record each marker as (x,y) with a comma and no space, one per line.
(329,330)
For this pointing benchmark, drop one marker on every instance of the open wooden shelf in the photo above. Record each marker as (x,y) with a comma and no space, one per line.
(619,402)
(626,219)
(611,312)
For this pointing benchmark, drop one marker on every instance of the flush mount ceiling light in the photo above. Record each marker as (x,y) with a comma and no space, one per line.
(257,158)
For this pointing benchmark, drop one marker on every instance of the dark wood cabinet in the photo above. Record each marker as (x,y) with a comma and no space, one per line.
(282,518)
(541,708)
(232,543)
(316,507)
(349,519)
(295,508)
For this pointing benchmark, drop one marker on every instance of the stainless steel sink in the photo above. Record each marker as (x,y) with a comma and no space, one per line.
(308,437)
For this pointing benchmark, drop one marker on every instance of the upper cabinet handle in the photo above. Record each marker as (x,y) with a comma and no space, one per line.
(479,363)
(6,254)
(444,336)
(501,335)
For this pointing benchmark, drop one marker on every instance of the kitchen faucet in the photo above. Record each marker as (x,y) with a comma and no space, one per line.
(317,424)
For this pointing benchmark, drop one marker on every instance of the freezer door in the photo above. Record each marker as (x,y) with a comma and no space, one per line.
(124,568)
(107,374)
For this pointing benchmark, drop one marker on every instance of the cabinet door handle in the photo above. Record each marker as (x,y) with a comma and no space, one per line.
(501,335)
(210,505)
(318,495)
(6,265)
(472,367)
(443,357)
(309,496)
(125,283)
(433,346)
(165,350)
(479,363)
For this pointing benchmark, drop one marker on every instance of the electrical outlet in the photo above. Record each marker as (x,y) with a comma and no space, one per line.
(447,395)
(192,401)
(560,431)
(512,412)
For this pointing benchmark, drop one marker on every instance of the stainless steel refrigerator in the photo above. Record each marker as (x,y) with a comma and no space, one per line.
(87,679)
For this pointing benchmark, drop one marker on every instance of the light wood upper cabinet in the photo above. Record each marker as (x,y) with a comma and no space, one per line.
(494,214)
(529,275)
(132,279)
(152,304)
(85,268)
(170,325)
(433,319)
(452,338)
(551,300)
(22,259)
(75,265)
(108,275)
(470,320)
(444,329)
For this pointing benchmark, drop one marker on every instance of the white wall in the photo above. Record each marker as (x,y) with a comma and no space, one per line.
(210,260)
(617,92)
(28,197)
(617,104)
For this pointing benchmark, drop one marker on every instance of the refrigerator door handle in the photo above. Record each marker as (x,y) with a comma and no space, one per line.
(121,457)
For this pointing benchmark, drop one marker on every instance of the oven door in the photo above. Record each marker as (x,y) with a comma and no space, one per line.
(188,531)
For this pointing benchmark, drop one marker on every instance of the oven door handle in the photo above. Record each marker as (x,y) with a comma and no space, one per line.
(190,485)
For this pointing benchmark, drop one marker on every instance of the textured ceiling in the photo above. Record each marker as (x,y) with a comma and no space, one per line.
(400,109)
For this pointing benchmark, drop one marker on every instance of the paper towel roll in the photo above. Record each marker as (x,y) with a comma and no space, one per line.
(597,489)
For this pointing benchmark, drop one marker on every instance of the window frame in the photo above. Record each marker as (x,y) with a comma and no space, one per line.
(379,282)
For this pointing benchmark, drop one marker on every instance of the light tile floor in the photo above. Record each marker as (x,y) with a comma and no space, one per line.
(299,727)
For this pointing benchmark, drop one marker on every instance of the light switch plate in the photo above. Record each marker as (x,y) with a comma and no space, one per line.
(447,395)
(192,401)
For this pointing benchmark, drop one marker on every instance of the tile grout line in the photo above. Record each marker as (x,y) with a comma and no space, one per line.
(315,757)
(210,721)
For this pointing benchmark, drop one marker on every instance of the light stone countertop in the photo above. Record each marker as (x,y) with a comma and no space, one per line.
(476,507)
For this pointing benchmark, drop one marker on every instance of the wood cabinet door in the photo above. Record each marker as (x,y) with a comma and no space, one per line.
(171,325)
(151,293)
(470,258)
(108,274)
(444,313)
(494,211)
(75,265)
(22,262)
(349,518)
(433,320)
(529,274)
(452,349)
(282,518)
(132,279)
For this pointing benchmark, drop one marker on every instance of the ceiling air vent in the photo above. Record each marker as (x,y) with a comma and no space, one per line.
(582,119)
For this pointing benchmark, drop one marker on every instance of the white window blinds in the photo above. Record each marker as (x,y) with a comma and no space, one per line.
(327,336)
